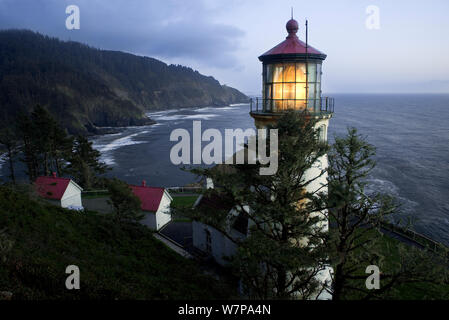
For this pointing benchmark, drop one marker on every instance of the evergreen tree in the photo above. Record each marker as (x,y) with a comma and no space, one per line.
(356,238)
(46,147)
(29,147)
(126,205)
(43,127)
(85,163)
(60,149)
(284,250)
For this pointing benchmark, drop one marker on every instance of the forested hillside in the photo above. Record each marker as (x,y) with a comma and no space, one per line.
(85,88)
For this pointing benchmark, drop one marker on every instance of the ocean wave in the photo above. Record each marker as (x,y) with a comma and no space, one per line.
(106,149)
(175,117)
(204,109)
(201,116)
(163,112)
(168,118)
(230,107)
(387,187)
(379,185)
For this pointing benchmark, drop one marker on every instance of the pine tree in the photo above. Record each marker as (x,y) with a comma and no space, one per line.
(126,205)
(28,148)
(85,162)
(43,126)
(46,146)
(284,250)
(356,223)
(60,149)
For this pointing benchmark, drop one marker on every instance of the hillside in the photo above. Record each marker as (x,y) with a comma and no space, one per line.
(86,88)
(38,241)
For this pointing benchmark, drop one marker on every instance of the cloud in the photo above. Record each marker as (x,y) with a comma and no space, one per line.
(170,29)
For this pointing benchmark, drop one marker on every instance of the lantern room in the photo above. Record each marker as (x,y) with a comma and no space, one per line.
(291,78)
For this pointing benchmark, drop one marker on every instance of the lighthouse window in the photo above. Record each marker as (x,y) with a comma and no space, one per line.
(289,91)
(318,73)
(269,73)
(312,72)
(300,91)
(300,72)
(268,91)
(277,91)
(322,133)
(312,95)
(289,72)
(311,90)
(278,73)
(285,86)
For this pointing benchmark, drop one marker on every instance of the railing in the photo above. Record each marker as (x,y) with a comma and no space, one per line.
(185,189)
(95,192)
(419,239)
(323,105)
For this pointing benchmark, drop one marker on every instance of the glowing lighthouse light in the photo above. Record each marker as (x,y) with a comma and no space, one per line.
(292,78)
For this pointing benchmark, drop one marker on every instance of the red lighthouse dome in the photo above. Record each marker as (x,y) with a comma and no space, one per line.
(292,47)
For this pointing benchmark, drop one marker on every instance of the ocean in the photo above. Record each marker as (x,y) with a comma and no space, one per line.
(410,132)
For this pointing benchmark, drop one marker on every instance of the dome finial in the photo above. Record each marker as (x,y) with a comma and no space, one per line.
(292,26)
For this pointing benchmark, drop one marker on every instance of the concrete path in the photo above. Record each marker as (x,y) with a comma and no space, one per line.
(172,245)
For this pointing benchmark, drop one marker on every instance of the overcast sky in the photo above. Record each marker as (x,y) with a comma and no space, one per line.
(223,38)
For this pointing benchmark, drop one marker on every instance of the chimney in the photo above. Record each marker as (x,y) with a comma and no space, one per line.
(144,183)
(54,174)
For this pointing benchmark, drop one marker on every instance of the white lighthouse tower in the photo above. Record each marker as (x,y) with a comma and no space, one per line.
(292,73)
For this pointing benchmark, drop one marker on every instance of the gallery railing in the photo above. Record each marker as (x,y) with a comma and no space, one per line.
(323,105)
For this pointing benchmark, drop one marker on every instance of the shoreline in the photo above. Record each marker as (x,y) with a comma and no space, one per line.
(101,131)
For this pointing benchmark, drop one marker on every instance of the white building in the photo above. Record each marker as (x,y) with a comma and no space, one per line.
(212,241)
(61,191)
(155,205)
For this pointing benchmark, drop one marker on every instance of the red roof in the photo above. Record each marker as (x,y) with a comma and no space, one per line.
(51,187)
(292,44)
(149,196)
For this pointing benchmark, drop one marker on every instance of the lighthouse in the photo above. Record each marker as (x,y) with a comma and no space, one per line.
(291,80)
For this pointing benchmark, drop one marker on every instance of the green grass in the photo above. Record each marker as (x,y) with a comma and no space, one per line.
(187,201)
(94,195)
(115,262)
(180,202)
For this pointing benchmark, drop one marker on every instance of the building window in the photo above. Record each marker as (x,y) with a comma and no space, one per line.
(322,135)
